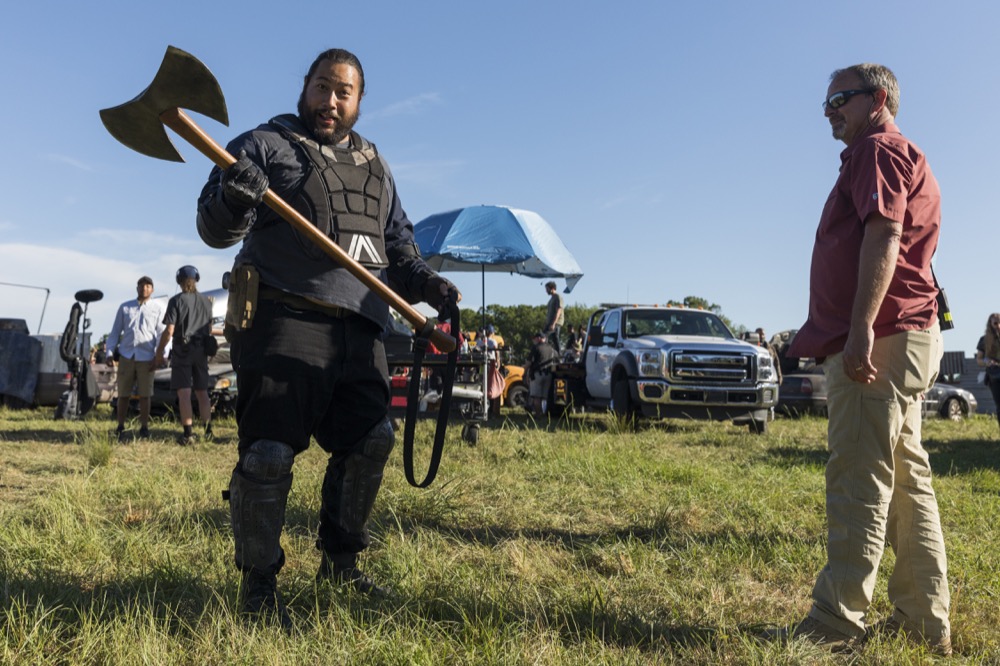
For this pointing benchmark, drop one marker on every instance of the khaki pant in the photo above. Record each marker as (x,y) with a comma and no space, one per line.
(878,490)
(137,374)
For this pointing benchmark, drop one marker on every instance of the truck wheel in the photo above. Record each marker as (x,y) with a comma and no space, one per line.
(517,396)
(621,400)
(470,433)
(757,427)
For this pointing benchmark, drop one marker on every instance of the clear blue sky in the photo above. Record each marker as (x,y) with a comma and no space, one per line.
(677,148)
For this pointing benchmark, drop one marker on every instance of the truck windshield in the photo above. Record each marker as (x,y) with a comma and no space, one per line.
(673,322)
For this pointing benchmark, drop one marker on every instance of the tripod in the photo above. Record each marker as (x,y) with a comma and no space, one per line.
(74,348)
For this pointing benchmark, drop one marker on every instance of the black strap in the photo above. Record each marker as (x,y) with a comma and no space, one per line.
(945,319)
(413,395)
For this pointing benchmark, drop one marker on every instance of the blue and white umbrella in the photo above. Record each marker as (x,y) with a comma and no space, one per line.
(497,239)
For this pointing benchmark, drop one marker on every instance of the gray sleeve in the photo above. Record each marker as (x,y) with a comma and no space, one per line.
(116,329)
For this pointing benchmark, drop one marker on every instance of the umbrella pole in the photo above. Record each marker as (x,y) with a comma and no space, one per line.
(483,269)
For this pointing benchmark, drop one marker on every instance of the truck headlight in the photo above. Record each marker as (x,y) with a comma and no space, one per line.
(650,363)
(766,372)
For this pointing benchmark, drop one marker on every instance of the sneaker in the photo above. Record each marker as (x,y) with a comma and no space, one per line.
(348,574)
(187,440)
(144,432)
(815,632)
(120,434)
(261,600)
(208,431)
(939,646)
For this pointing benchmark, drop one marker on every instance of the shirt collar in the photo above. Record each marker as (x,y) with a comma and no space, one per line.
(885,128)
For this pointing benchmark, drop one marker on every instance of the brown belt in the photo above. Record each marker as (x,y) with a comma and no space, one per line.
(303,303)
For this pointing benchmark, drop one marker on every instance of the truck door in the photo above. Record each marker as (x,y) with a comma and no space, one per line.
(601,355)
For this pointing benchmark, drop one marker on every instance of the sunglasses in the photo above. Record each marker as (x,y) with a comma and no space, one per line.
(839,99)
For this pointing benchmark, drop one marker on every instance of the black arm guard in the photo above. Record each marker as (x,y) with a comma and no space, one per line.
(218,225)
(407,271)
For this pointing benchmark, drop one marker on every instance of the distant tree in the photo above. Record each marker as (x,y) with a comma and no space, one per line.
(472,320)
(579,315)
(702,303)
(517,324)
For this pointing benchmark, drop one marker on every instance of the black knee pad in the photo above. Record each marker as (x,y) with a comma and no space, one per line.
(363,476)
(258,494)
(379,441)
(267,460)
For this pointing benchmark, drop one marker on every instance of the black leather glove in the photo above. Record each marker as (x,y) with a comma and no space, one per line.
(243,183)
(438,292)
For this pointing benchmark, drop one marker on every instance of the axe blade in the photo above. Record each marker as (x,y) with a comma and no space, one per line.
(182,81)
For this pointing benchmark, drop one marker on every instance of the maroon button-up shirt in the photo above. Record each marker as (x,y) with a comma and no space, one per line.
(881,172)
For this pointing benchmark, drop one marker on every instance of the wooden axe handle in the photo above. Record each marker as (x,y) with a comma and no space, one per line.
(181,123)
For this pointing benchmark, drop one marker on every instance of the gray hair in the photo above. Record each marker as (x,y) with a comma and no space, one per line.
(876,77)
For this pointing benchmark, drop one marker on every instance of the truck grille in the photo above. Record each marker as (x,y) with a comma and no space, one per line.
(703,367)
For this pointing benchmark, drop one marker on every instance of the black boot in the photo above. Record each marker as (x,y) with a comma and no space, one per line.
(261,600)
(342,569)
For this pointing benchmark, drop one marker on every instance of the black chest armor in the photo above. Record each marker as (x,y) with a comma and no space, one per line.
(343,193)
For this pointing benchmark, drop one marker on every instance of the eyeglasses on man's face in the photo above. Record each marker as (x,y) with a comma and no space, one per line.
(842,97)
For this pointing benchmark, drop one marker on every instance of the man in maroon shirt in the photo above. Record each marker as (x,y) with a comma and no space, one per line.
(873,324)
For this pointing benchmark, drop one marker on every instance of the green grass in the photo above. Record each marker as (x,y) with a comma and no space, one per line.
(575,542)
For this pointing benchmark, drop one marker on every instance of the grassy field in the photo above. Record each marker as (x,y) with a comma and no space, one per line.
(576,542)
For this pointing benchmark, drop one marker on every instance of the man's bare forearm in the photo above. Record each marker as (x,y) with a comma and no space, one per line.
(879,252)
(876,266)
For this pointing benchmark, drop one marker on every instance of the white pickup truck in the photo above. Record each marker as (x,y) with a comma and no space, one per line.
(662,361)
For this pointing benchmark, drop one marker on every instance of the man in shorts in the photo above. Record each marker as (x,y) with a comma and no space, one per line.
(132,343)
(541,360)
(189,323)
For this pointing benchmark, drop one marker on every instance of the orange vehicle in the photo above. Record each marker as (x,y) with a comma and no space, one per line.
(515,387)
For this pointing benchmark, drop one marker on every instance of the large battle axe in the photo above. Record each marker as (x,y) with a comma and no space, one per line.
(184,81)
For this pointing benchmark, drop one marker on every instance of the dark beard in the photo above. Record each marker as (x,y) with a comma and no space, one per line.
(325,137)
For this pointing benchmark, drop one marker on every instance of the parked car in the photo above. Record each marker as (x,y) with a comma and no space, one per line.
(949,402)
(221,388)
(803,392)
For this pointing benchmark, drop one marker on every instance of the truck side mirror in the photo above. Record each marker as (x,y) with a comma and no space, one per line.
(594,335)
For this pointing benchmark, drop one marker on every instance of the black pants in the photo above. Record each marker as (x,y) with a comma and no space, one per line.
(302,373)
(994,383)
(553,338)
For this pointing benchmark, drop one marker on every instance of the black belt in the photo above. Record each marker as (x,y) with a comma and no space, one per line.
(303,303)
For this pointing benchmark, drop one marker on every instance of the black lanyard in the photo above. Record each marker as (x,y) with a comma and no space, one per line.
(412,399)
